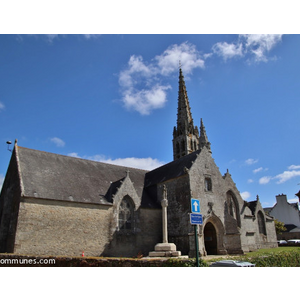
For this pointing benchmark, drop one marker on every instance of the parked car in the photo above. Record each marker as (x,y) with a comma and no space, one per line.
(232,263)
(282,243)
(294,242)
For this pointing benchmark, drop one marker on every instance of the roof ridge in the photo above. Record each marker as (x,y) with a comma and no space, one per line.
(84,159)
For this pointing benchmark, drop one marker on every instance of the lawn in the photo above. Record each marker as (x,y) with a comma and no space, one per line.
(269,251)
(273,257)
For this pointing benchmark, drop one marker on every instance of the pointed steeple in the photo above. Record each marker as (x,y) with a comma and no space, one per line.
(185,135)
(203,140)
(183,111)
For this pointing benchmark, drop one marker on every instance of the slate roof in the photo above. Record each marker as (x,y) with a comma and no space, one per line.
(252,205)
(51,176)
(171,170)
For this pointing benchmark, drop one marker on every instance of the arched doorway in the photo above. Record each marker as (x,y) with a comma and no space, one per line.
(210,239)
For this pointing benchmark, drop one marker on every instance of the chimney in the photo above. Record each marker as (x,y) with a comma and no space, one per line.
(281,199)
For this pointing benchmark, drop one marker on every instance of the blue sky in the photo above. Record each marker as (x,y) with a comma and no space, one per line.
(113,98)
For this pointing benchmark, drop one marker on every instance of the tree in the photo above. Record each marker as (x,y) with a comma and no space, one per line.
(279,226)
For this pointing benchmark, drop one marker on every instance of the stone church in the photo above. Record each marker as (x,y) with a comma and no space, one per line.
(52,204)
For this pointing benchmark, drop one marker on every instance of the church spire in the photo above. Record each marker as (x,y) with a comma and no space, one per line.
(185,135)
(184,111)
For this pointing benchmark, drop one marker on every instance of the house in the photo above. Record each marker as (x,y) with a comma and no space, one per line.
(287,213)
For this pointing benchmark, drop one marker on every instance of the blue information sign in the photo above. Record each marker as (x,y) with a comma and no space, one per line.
(195,205)
(196,219)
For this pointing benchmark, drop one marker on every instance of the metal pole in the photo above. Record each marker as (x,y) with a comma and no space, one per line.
(196,245)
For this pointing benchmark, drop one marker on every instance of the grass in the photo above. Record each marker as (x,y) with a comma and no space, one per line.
(273,257)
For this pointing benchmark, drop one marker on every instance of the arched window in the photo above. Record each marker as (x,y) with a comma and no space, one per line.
(126,214)
(208,184)
(261,223)
(233,207)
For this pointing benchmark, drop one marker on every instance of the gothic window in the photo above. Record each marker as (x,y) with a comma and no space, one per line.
(126,214)
(233,207)
(208,184)
(261,223)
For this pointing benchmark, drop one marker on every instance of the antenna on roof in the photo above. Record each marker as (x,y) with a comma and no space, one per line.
(8,143)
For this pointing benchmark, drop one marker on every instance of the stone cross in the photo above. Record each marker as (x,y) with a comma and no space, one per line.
(165,249)
(164,204)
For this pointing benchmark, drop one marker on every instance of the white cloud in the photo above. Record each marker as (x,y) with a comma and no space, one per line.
(293,200)
(251,161)
(73,154)
(255,46)
(1,181)
(58,142)
(145,101)
(257,170)
(294,167)
(227,51)
(142,84)
(260,170)
(245,195)
(265,180)
(2,106)
(282,177)
(250,180)
(131,162)
(286,175)
(261,44)
(186,53)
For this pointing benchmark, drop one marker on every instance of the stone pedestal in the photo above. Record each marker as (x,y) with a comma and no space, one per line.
(165,250)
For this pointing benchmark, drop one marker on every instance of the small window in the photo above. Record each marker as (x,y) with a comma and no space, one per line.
(208,184)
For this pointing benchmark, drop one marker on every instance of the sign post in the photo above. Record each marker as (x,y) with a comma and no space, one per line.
(197,246)
(196,219)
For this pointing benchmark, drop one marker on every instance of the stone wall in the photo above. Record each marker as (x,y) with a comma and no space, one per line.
(48,227)
(61,228)
(140,241)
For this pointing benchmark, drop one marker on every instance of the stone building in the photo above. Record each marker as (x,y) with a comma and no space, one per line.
(58,205)
(287,213)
